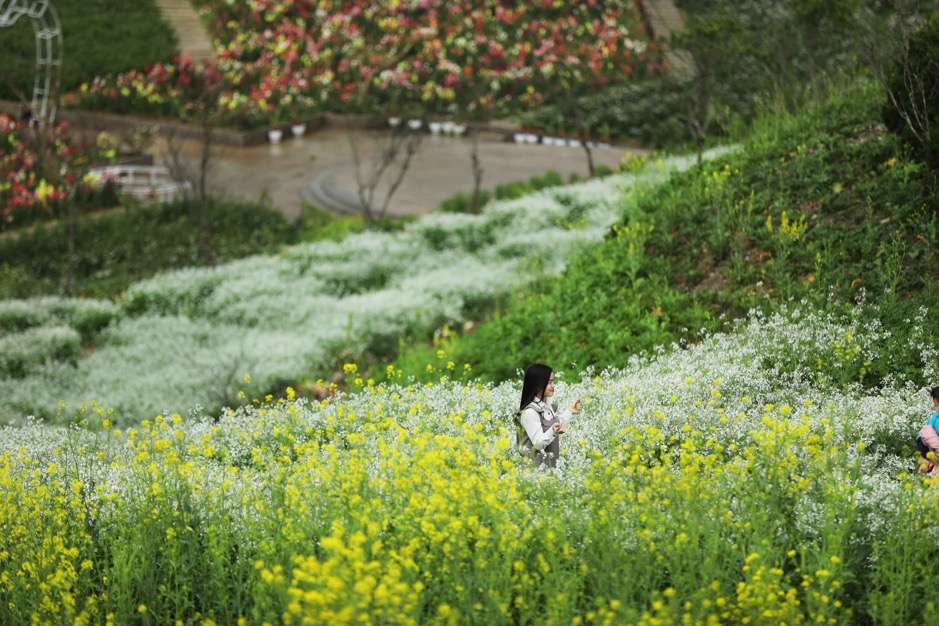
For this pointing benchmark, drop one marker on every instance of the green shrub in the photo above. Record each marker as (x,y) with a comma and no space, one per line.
(119,247)
(913,82)
(510,191)
(460,202)
(25,352)
(649,110)
(87,317)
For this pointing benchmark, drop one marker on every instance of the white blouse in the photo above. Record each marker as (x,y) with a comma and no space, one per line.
(531,422)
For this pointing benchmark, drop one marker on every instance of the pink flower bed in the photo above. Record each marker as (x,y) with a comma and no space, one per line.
(281,60)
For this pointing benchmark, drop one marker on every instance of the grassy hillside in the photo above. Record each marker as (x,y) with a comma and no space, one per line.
(826,208)
(764,472)
(188,337)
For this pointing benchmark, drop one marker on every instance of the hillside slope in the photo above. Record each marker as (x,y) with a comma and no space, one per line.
(826,207)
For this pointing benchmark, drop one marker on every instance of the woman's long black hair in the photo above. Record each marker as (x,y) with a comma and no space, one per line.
(536,381)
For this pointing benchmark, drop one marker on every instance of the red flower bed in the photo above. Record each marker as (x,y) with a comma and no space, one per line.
(279,60)
(40,170)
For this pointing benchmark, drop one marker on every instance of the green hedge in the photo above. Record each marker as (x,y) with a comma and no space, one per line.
(100,37)
(86,317)
(117,248)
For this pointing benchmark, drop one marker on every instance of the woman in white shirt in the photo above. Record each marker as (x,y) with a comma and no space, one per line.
(538,425)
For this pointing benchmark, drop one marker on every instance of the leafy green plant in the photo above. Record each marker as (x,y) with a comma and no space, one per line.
(27,351)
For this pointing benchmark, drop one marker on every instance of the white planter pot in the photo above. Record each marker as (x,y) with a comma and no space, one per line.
(298,130)
(459,129)
(435,128)
(414,124)
(448,127)
(274,135)
(394,121)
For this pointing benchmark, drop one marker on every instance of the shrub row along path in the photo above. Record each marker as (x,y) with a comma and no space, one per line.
(320,168)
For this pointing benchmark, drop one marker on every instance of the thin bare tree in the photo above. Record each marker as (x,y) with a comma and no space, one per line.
(907,75)
(194,182)
(390,161)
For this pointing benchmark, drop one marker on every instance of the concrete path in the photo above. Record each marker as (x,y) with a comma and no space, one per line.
(319,168)
(665,19)
(194,41)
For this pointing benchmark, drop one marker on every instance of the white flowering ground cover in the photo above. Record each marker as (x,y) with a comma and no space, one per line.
(723,482)
(188,338)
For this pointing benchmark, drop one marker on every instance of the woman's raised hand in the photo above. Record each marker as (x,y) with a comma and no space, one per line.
(575,408)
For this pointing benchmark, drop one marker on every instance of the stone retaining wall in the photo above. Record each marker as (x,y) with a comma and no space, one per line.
(118,124)
(124,124)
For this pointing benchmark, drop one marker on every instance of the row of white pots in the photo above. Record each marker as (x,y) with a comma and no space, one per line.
(436,128)
(531,138)
(274,135)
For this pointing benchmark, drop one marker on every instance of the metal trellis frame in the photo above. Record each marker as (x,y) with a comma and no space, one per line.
(48,30)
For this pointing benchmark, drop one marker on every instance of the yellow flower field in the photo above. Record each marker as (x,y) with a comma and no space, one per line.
(692,490)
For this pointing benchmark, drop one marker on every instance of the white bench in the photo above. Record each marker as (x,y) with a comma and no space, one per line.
(147,183)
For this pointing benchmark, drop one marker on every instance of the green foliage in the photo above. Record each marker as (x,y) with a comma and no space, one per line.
(315,224)
(119,247)
(517,190)
(101,37)
(913,82)
(760,47)
(28,351)
(86,317)
(651,111)
(606,307)
(824,207)
(424,363)
(460,202)
(730,57)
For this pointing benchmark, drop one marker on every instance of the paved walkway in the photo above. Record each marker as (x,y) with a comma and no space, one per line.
(665,20)
(319,168)
(194,41)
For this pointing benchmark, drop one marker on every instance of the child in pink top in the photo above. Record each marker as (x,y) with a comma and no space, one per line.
(928,440)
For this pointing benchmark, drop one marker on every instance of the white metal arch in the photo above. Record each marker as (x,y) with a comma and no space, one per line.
(45,21)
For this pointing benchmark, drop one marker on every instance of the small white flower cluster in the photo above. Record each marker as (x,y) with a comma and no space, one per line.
(188,337)
(725,391)
(24,353)
(85,316)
